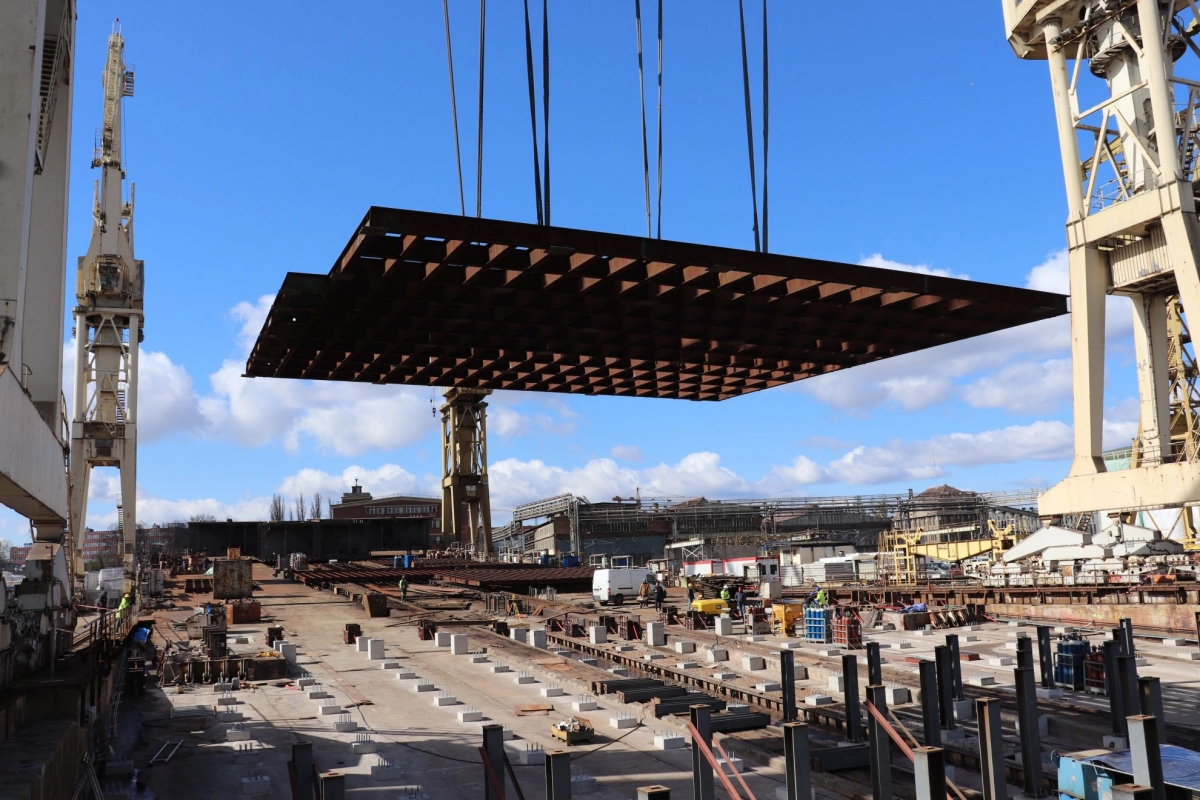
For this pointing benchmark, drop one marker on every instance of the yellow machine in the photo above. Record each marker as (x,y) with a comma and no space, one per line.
(785,613)
(713,608)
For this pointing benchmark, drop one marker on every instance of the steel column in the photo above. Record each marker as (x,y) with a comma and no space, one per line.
(333,786)
(302,766)
(653,793)
(493,744)
(941,655)
(1024,652)
(929,704)
(875,664)
(929,772)
(1146,755)
(797,763)
(854,729)
(1045,656)
(702,772)
(1127,636)
(956,681)
(991,749)
(1151,703)
(558,775)
(1198,627)
(1132,791)
(880,747)
(1112,686)
(787,681)
(1130,701)
(1031,737)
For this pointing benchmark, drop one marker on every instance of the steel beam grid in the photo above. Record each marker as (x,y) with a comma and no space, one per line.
(443,300)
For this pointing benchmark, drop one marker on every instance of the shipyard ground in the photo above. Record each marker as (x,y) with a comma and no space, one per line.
(419,740)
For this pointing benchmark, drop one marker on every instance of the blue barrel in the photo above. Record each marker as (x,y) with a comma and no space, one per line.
(570,561)
(1068,663)
(544,560)
(408,561)
(397,561)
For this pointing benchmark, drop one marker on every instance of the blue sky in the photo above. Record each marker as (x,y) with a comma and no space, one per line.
(257,140)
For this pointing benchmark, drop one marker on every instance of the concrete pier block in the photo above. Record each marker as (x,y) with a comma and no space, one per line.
(255,785)
(621,723)
(964,710)
(669,741)
(519,635)
(723,675)
(404,674)
(375,650)
(388,773)
(470,716)
(620,671)
(445,700)
(656,634)
(230,716)
(902,645)
(552,691)
(226,686)
(360,643)
(526,757)
(722,626)
(525,679)
(684,647)
(390,665)
(345,727)
(653,656)
(497,668)
(790,644)
(228,701)
(755,638)
(1048,694)
(327,711)
(317,694)
(1001,661)
(598,634)
(584,705)
(537,638)
(836,683)
(479,658)
(897,695)
(423,686)
(237,736)
(734,763)
(818,700)
(458,644)
(442,638)
(288,651)
(753,662)
(363,748)
(687,665)
(716,654)
(1175,642)
(982,680)
(1188,655)
(304,682)
(829,653)
(591,662)
(768,686)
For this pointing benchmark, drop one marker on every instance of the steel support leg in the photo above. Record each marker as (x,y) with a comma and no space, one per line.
(1151,704)
(787,680)
(875,664)
(302,766)
(854,729)
(333,786)
(991,749)
(1198,627)
(929,771)
(702,772)
(1130,701)
(929,704)
(1024,652)
(558,775)
(880,750)
(797,761)
(1146,755)
(956,682)
(653,793)
(1031,737)
(945,680)
(493,744)
(1046,656)
(1112,686)
(1132,791)
(1127,635)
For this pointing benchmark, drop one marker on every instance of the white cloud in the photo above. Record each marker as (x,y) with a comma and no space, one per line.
(1121,423)
(626,452)
(388,479)
(877,260)
(1051,275)
(802,472)
(1026,387)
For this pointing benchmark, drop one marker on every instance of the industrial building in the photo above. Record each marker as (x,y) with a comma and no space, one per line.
(952,642)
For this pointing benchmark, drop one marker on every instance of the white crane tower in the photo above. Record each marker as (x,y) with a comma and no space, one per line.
(108,329)
(1129,134)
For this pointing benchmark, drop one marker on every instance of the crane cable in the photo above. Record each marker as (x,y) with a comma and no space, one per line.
(637,13)
(537,180)
(749,122)
(766,122)
(479,140)
(462,205)
(660,137)
(546,109)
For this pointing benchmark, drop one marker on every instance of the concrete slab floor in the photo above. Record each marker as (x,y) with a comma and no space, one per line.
(431,747)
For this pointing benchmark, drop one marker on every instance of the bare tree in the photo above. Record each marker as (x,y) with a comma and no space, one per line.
(202,518)
(315,509)
(301,508)
(276,513)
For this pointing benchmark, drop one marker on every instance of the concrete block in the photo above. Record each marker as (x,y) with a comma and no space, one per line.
(684,647)
(621,723)
(525,679)
(562,653)
(363,748)
(1001,661)
(753,662)
(445,700)
(818,700)
(1175,642)
(902,645)
(621,671)
(1188,655)
(801,672)
(718,654)
(584,705)
(228,701)
(737,708)
(382,773)
(317,694)
(390,665)
(582,783)
(1017,624)
(623,648)
(964,710)
(345,727)
(256,785)
(226,686)
(498,668)
(250,756)
(722,626)
(288,651)
(1048,694)
(470,716)
(734,763)
(519,635)
(552,691)
(598,634)
(527,758)
(537,638)
(442,638)
(230,716)
(239,640)
(836,683)
(653,656)
(375,650)
(982,680)
(925,632)
(458,644)
(790,644)
(656,634)
(237,736)
(479,658)
(768,686)
(327,711)
(669,741)
(1115,743)
(591,662)
(303,682)
(360,643)
(1141,661)
(829,653)
(404,674)
(897,695)
(970,638)
(723,675)
(956,735)
(423,686)
(687,665)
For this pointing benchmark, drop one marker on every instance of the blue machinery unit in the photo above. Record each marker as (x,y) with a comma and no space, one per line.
(817,626)
(1082,779)
(1069,656)
(1091,774)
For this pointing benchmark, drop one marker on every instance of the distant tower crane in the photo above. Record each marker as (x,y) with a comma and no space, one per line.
(465,500)
(108,329)
(1129,162)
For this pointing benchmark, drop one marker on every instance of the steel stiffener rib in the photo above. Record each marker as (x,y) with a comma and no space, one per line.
(442,300)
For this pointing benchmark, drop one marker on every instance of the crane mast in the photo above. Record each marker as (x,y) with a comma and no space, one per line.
(108,329)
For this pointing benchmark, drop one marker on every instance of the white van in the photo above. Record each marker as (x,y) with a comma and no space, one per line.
(617,585)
